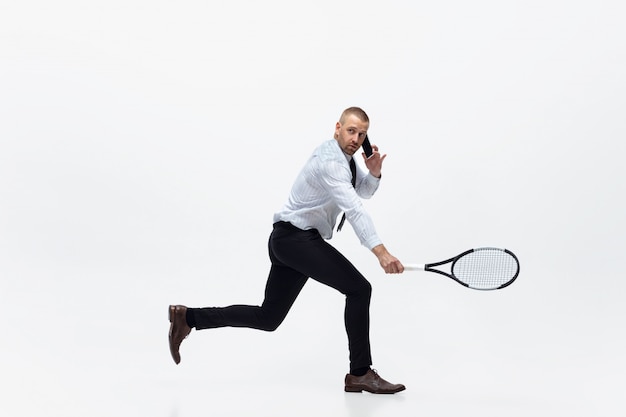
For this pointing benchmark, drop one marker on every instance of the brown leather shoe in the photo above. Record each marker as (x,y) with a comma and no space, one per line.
(371,382)
(179,329)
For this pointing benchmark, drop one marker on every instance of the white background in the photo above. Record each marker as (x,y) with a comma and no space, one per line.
(145,145)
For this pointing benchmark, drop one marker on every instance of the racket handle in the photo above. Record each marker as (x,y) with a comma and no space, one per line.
(413,267)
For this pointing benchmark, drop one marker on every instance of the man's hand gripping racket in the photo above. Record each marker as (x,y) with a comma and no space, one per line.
(479,269)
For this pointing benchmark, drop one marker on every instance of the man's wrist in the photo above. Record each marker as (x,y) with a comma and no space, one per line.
(379,250)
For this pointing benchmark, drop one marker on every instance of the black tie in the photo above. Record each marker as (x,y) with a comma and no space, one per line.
(353,171)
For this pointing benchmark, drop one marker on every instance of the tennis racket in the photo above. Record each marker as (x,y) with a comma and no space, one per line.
(479,269)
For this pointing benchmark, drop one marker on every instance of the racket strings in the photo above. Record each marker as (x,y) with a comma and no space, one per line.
(486,268)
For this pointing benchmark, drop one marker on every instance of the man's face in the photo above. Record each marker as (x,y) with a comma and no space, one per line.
(351,133)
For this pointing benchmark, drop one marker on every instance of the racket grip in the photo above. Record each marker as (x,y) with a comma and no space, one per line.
(413,267)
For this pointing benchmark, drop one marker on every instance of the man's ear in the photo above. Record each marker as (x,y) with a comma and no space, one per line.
(337,127)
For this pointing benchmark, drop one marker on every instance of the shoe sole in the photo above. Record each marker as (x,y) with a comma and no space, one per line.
(358,389)
(170,312)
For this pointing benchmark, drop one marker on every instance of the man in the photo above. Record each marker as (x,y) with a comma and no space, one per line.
(323,190)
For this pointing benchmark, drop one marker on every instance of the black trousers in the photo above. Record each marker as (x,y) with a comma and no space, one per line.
(297,255)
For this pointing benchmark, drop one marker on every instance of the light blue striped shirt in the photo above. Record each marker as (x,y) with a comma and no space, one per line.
(323,190)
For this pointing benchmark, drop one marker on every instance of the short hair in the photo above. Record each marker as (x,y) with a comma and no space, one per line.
(354,111)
